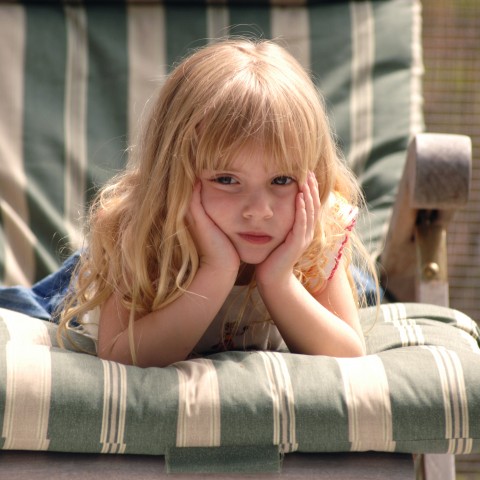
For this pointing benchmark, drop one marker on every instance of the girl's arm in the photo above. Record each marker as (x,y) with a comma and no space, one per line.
(326,323)
(169,335)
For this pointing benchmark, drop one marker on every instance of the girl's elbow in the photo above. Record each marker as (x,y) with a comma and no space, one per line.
(111,355)
(357,349)
(360,351)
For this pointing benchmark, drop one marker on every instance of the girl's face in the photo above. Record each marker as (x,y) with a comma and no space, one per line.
(252,203)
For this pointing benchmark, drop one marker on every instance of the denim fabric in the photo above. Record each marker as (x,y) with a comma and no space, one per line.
(365,285)
(43,298)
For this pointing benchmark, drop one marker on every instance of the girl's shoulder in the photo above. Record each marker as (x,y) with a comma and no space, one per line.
(343,213)
(344,216)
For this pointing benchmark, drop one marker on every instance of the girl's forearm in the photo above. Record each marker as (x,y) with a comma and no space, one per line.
(306,325)
(169,335)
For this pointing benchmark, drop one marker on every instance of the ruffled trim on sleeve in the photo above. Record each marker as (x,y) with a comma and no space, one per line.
(346,217)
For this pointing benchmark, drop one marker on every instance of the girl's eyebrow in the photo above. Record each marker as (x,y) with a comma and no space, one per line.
(223,170)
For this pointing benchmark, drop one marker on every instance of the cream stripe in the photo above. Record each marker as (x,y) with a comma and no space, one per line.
(28,391)
(199,421)
(24,329)
(397,316)
(410,333)
(361,108)
(292,25)
(386,311)
(289,443)
(19,256)
(75,118)
(454,399)
(470,341)
(416,334)
(459,383)
(287,402)
(445,391)
(417,69)
(112,435)
(218,20)
(283,401)
(147,60)
(466,323)
(274,396)
(368,402)
(123,409)
(401,310)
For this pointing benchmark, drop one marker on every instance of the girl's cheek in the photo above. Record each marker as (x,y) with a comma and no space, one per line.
(212,202)
(206,195)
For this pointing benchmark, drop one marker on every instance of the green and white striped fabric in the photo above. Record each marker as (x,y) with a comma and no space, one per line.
(418,390)
(77,75)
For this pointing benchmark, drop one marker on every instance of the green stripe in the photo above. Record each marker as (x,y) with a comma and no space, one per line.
(306,382)
(184,31)
(392,124)
(3,244)
(43,152)
(4,339)
(406,389)
(250,21)
(244,369)
(331,53)
(76,417)
(151,415)
(107,97)
(471,385)
(391,128)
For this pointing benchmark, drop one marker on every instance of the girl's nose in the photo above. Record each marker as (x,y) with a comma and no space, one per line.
(257,206)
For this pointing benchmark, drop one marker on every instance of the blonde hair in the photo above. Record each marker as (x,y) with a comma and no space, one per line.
(215,102)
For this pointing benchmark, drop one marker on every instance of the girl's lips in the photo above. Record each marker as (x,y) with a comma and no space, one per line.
(255,238)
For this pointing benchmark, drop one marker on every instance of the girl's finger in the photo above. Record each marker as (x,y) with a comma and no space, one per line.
(196,208)
(300,226)
(315,197)
(315,192)
(308,191)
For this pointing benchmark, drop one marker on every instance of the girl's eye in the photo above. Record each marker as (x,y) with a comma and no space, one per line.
(225,180)
(282,180)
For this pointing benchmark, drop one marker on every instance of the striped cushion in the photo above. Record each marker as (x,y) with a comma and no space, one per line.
(76,77)
(416,391)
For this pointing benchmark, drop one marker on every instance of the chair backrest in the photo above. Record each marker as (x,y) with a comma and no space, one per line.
(76,76)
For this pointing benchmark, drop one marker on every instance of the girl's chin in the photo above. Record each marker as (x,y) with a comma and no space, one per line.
(256,259)
(255,255)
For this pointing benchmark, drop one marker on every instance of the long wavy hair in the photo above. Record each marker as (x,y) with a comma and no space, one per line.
(214,103)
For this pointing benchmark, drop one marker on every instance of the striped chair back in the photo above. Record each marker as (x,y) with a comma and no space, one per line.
(76,77)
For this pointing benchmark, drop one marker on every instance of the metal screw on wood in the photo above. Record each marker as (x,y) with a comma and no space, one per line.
(431,271)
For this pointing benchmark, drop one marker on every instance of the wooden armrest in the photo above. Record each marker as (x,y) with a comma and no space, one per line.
(435,183)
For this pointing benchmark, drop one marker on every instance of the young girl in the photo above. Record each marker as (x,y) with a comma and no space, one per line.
(232,226)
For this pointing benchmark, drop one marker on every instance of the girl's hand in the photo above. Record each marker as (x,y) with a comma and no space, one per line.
(279,264)
(213,246)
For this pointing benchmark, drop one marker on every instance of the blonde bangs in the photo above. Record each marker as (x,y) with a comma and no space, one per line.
(252,110)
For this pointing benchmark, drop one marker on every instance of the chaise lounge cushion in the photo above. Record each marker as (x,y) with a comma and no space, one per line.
(416,391)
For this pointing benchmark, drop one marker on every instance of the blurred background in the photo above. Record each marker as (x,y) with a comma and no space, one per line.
(451,42)
(451,48)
